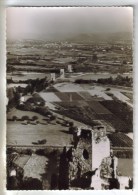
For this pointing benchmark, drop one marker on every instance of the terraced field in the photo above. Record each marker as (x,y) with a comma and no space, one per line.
(98,108)
(69,96)
(121,111)
(88,97)
(87,111)
(120,140)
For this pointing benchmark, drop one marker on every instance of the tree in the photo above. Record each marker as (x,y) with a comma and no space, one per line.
(34,118)
(72,129)
(14,118)
(124,62)
(71,124)
(108,89)
(94,58)
(32,184)
(25,118)
(63,171)
(52,117)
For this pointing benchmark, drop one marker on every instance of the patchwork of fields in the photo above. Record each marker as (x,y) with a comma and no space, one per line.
(80,103)
(87,111)
(73,96)
(120,140)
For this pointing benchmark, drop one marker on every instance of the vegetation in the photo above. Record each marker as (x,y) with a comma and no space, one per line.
(25,118)
(34,118)
(43,141)
(119,80)
(52,117)
(14,118)
(36,85)
(14,98)
(32,184)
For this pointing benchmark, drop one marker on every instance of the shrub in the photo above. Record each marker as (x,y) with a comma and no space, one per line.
(27,152)
(108,89)
(40,152)
(58,122)
(34,118)
(32,184)
(71,124)
(72,129)
(14,118)
(25,118)
(43,141)
(53,117)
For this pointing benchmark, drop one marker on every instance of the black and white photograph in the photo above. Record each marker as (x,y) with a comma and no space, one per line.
(69,112)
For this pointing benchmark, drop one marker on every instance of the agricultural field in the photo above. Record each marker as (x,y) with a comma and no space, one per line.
(30,67)
(98,108)
(122,110)
(93,76)
(80,111)
(69,96)
(118,124)
(100,94)
(120,140)
(25,135)
(126,170)
(49,97)
(95,91)
(68,87)
(28,132)
(87,96)
(11,85)
(94,110)
(129,95)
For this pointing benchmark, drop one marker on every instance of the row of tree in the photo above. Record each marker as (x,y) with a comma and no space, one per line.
(119,80)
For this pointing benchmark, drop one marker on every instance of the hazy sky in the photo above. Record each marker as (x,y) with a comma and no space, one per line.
(61,22)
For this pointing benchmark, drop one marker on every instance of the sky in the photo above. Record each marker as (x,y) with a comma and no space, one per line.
(48,23)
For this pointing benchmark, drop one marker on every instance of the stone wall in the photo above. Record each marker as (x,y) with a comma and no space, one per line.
(80,164)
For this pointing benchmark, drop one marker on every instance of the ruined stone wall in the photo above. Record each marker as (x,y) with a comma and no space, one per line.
(81,159)
(91,146)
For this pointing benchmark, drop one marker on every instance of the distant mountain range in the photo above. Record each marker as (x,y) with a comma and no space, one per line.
(125,36)
(83,37)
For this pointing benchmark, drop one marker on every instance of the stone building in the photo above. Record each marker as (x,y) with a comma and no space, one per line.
(70,68)
(62,74)
(52,76)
